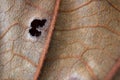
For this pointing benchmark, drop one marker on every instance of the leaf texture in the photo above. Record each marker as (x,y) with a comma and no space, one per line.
(21,54)
(86,42)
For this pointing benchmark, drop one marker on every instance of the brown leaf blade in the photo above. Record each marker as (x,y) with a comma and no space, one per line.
(86,41)
(21,52)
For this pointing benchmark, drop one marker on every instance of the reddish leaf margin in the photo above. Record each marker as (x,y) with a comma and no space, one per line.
(41,60)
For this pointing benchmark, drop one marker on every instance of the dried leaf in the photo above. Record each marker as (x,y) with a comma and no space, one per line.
(25,30)
(86,41)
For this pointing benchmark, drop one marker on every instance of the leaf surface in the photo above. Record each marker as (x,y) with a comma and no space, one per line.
(22,44)
(86,42)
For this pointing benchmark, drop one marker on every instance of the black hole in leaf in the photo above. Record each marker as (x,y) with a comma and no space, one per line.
(38,23)
(38,33)
(34,32)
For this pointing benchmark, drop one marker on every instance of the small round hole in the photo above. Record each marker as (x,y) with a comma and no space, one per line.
(38,33)
(38,23)
(34,32)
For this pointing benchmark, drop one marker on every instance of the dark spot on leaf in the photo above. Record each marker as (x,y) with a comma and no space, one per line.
(36,23)
(34,32)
